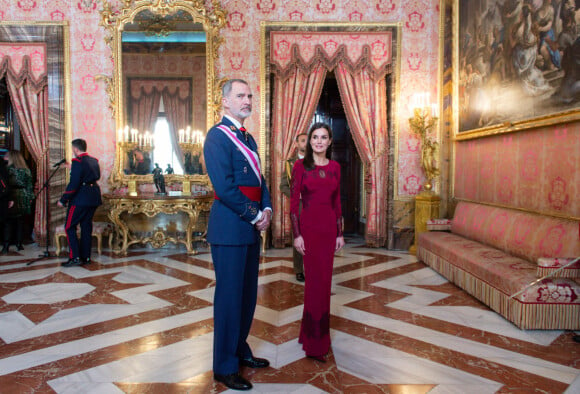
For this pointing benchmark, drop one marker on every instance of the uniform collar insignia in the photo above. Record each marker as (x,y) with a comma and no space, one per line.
(233,128)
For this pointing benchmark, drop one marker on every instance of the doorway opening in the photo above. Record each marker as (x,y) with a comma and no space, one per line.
(331,111)
(11,140)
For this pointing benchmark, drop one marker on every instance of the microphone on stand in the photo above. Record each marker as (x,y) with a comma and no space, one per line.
(59,163)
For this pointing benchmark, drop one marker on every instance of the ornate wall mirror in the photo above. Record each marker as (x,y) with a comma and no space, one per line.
(164,93)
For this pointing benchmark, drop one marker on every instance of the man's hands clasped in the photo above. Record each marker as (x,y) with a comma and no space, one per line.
(264,221)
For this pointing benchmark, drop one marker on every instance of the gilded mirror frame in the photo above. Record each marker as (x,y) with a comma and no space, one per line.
(114,22)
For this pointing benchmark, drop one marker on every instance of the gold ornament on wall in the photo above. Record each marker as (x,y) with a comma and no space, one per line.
(422,122)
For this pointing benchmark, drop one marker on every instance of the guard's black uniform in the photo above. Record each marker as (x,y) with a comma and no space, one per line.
(83,196)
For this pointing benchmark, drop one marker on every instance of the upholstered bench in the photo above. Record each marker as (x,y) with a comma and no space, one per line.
(100,229)
(512,261)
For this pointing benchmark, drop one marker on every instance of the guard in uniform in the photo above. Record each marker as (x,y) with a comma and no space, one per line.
(240,211)
(82,196)
(285,186)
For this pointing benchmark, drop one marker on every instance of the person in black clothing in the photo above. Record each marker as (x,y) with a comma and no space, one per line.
(5,202)
(82,196)
(21,186)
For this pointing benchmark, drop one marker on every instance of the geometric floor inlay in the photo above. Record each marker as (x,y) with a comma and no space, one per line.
(143,324)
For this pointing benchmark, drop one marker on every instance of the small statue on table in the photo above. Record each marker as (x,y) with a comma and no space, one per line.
(169,169)
(159,180)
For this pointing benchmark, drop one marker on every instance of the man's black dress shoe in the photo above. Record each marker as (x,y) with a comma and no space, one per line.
(72,262)
(300,277)
(254,362)
(234,381)
(86,261)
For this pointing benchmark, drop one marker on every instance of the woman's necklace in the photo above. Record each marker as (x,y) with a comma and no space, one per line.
(321,172)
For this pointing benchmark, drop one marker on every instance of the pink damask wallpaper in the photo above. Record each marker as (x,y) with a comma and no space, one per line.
(89,56)
(537,170)
(419,53)
(239,56)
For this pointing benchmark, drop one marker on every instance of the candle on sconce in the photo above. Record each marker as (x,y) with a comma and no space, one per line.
(432,110)
(181,135)
(126,134)
(147,138)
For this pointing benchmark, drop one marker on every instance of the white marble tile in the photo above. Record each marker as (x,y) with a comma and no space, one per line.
(85,388)
(278,318)
(28,275)
(169,364)
(515,360)
(273,388)
(12,325)
(48,293)
(574,387)
(374,269)
(383,365)
(187,267)
(287,353)
(65,350)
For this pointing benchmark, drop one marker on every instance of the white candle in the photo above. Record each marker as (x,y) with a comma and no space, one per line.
(126,134)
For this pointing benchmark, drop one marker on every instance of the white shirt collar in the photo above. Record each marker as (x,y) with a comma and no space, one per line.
(234,121)
(300,156)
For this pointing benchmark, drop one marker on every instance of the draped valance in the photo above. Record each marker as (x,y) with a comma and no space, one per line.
(24,62)
(304,50)
(139,87)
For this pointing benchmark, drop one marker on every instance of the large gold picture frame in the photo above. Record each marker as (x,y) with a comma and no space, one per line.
(212,18)
(505,77)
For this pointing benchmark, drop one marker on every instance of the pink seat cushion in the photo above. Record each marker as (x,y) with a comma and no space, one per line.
(509,274)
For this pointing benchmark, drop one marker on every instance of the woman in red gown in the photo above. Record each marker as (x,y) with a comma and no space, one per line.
(318,234)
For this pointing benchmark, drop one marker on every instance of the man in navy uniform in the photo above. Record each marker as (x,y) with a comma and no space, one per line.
(82,196)
(241,210)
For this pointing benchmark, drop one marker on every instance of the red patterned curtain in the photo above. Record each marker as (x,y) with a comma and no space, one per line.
(295,100)
(365,104)
(144,111)
(146,95)
(27,86)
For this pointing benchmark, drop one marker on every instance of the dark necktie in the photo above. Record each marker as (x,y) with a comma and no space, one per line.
(244,133)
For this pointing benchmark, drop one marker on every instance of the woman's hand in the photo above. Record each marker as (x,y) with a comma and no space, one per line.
(339,243)
(299,245)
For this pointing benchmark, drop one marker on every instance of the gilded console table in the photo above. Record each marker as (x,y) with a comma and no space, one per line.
(156,219)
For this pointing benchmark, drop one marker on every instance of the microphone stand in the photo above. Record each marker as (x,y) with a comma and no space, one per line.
(46,253)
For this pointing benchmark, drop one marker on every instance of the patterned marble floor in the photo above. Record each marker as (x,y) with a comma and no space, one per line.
(143,324)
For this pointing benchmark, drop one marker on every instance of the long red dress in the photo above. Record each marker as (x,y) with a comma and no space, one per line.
(319,223)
